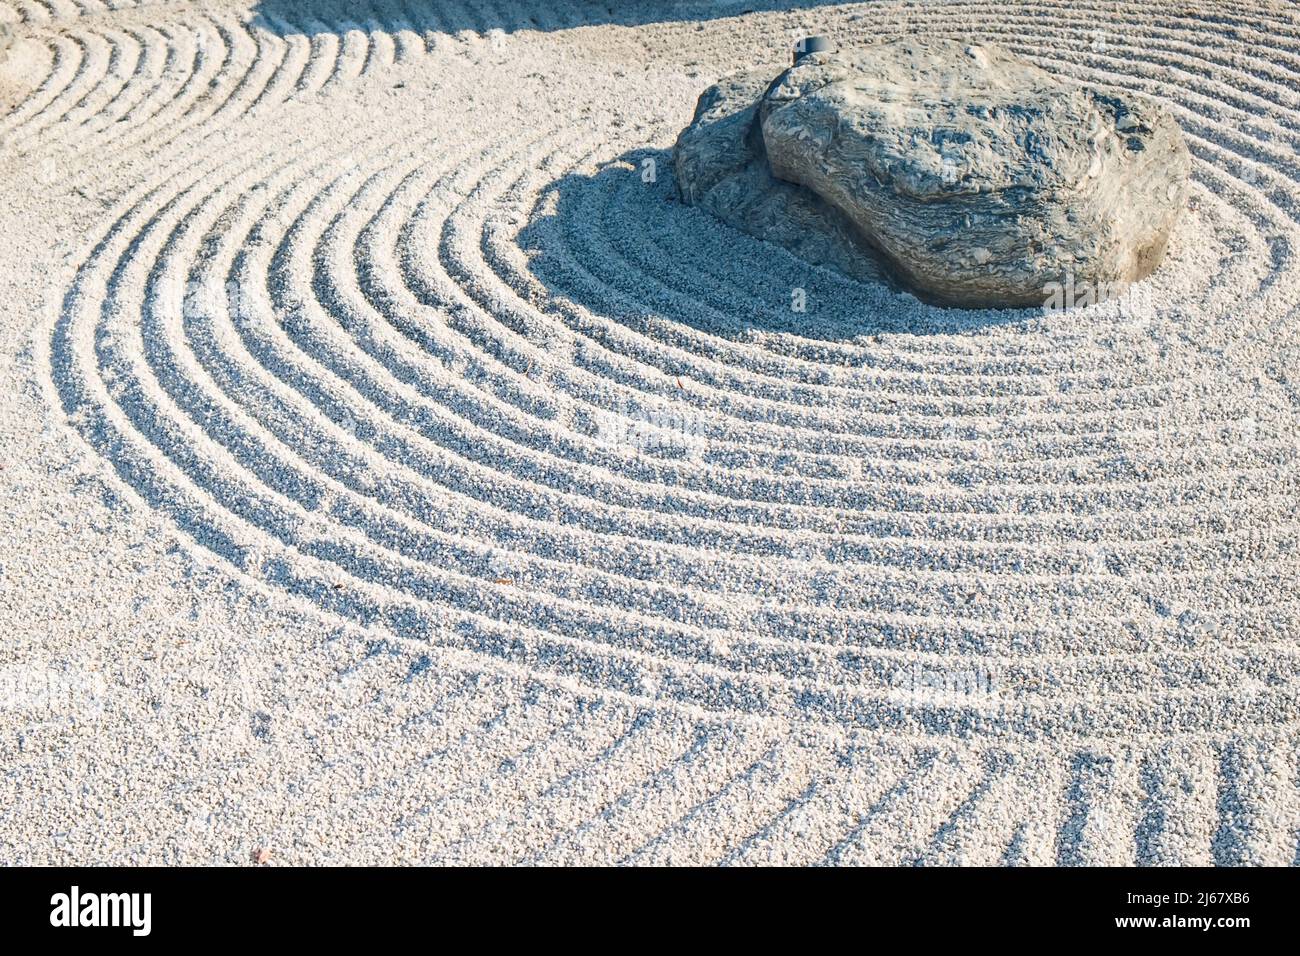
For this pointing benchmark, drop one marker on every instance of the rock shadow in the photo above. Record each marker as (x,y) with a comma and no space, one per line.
(619,242)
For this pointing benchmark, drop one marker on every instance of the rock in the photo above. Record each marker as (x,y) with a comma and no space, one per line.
(6,39)
(968,176)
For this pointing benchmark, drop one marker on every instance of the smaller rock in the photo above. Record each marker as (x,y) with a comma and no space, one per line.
(260,855)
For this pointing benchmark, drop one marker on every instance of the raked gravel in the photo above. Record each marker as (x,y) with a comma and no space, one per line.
(392,469)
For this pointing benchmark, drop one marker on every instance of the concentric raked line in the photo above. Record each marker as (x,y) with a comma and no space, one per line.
(1035,608)
(181,72)
(118,76)
(1021,393)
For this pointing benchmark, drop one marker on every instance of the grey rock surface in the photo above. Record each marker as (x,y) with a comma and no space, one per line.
(969,176)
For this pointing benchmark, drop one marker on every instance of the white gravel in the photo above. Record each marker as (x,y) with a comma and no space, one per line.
(391,469)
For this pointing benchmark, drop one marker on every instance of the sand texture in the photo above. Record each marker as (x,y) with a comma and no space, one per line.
(394,469)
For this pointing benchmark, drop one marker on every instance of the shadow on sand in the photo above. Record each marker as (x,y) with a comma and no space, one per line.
(620,243)
(313,17)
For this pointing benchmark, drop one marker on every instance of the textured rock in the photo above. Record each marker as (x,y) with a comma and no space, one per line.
(972,177)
